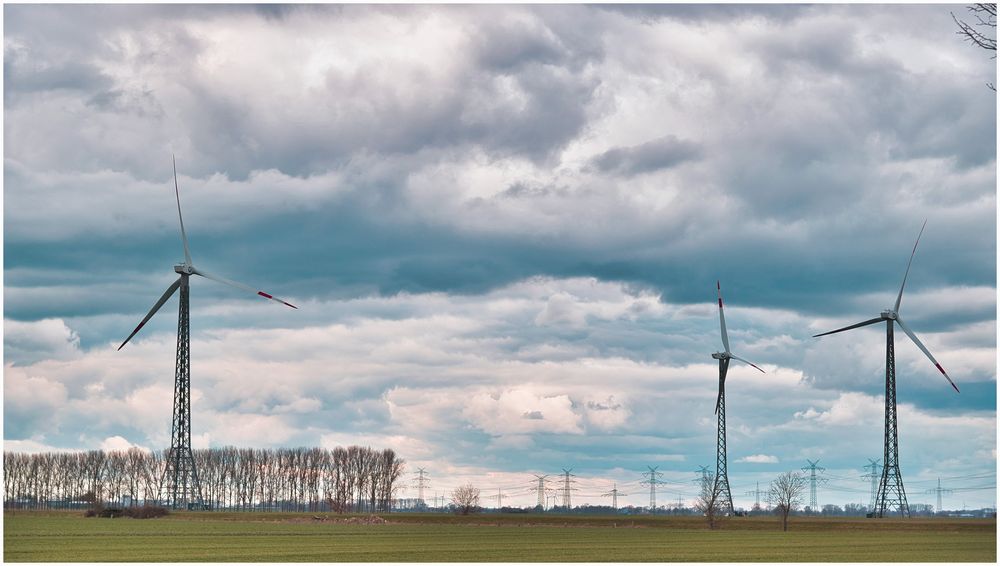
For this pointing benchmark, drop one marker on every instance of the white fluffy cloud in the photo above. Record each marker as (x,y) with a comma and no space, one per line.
(759,459)
(50,338)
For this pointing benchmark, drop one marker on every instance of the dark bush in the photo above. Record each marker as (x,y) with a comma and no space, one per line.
(146,512)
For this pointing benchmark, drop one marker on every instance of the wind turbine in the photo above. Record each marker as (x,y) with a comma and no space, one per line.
(180,487)
(721,487)
(890,487)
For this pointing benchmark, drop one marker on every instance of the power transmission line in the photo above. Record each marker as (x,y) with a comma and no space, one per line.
(756,493)
(811,468)
(614,493)
(541,490)
(874,477)
(566,487)
(421,484)
(705,473)
(939,490)
(653,478)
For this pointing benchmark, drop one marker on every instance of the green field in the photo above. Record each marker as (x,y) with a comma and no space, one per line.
(289,537)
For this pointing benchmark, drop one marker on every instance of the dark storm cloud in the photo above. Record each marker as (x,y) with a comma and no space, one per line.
(527,99)
(19,78)
(653,155)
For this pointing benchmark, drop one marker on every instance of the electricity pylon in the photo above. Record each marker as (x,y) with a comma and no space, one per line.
(653,478)
(499,497)
(939,490)
(811,468)
(705,473)
(873,476)
(613,494)
(421,484)
(541,490)
(756,493)
(566,487)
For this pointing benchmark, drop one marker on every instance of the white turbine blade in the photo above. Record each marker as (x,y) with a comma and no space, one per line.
(184,238)
(925,351)
(225,281)
(899,297)
(858,325)
(735,357)
(166,295)
(722,319)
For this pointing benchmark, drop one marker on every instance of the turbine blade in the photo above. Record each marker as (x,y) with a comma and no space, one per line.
(858,325)
(746,362)
(722,319)
(166,295)
(926,352)
(899,297)
(225,281)
(184,238)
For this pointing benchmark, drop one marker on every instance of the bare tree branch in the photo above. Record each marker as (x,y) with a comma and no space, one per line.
(981,33)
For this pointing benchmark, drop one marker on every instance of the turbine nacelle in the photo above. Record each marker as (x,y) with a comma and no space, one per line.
(720,355)
(184,269)
(889,314)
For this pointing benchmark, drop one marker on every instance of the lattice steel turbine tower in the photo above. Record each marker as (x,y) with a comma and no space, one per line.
(180,485)
(891,494)
(725,497)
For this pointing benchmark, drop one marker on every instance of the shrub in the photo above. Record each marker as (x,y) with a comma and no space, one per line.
(146,512)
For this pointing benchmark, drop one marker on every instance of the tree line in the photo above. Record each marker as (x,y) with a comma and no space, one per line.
(352,479)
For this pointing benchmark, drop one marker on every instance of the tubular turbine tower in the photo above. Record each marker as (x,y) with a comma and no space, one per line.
(891,494)
(180,486)
(724,496)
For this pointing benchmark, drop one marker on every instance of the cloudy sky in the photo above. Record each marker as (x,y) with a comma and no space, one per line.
(503,226)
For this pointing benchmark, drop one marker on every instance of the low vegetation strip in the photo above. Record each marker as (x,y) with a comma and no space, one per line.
(250,537)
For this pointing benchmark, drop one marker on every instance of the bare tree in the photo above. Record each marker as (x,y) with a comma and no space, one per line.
(466,498)
(785,494)
(983,31)
(362,479)
(708,500)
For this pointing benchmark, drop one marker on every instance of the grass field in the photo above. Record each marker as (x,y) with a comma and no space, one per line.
(289,537)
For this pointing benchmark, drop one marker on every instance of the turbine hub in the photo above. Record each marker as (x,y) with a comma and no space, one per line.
(720,355)
(182,268)
(889,314)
